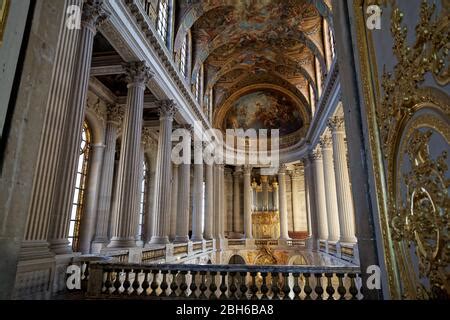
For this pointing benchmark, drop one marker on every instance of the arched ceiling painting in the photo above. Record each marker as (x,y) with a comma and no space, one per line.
(264,109)
(249,42)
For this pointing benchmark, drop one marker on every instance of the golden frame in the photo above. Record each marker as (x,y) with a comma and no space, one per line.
(4,7)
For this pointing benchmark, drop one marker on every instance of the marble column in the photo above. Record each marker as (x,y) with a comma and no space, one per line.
(184,188)
(152,155)
(93,15)
(237,223)
(115,116)
(248,202)
(265,192)
(299,223)
(92,189)
(284,234)
(197,212)
(174,205)
(222,206)
(162,209)
(209,202)
(319,196)
(276,199)
(128,184)
(343,191)
(318,78)
(330,188)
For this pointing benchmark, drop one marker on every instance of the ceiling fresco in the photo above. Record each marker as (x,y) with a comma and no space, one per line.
(242,43)
(267,109)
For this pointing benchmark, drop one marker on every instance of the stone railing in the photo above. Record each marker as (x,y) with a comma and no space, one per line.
(139,281)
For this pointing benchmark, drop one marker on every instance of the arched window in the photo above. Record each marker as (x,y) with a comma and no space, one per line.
(142,202)
(80,187)
(183,57)
(197,89)
(162,24)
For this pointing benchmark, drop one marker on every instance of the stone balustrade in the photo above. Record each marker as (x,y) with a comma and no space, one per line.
(210,282)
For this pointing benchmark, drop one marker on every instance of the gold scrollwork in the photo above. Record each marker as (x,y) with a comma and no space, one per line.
(423,218)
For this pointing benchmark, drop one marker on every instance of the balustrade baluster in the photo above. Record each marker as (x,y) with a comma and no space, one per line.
(117,283)
(341,288)
(193,286)
(296,289)
(136,285)
(223,286)
(353,290)
(264,287)
(254,287)
(233,287)
(154,284)
(145,283)
(183,285)
(307,289)
(330,290)
(203,286)
(319,289)
(173,284)
(212,286)
(275,288)
(164,285)
(127,283)
(286,288)
(243,287)
(108,282)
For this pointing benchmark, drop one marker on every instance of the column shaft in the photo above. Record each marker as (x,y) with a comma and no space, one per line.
(209,204)
(343,191)
(93,14)
(330,189)
(248,202)
(164,175)
(130,163)
(320,198)
(197,213)
(237,223)
(183,203)
(174,205)
(284,234)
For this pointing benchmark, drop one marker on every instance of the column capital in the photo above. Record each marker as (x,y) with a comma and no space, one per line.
(94,14)
(167,108)
(316,154)
(137,73)
(336,123)
(237,171)
(116,113)
(282,169)
(326,142)
(275,185)
(247,170)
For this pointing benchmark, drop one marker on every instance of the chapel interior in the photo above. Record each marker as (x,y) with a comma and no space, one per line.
(333,185)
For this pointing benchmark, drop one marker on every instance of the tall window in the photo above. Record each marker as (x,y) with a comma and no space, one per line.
(183,57)
(163,19)
(333,49)
(142,202)
(197,85)
(80,188)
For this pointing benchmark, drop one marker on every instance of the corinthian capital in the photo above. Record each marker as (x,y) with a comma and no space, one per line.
(94,14)
(147,139)
(167,108)
(316,154)
(326,142)
(116,113)
(138,73)
(336,124)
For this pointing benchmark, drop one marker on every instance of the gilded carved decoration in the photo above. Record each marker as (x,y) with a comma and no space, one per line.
(408,116)
(423,217)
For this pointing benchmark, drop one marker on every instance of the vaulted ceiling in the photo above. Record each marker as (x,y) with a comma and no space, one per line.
(243,43)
